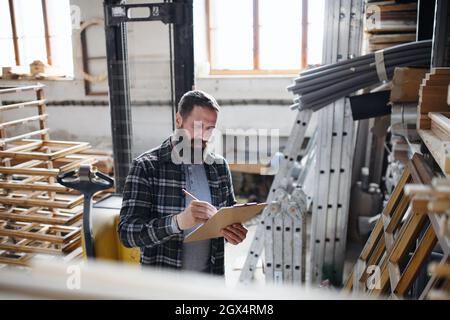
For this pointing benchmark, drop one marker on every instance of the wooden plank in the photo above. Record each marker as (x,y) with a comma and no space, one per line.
(440,70)
(436,104)
(52,249)
(398,214)
(441,120)
(435,82)
(375,247)
(392,28)
(419,205)
(68,148)
(439,131)
(4,90)
(53,234)
(43,201)
(22,136)
(42,109)
(422,251)
(24,145)
(396,7)
(30,171)
(41,215)
(392,38)
(433,90)
(437,77)
(22,121)
(398,190)
(408,232)
(374,237)
(55,187)
(20,105)
(440,270)
(249,168)
(22,259)
(438,148)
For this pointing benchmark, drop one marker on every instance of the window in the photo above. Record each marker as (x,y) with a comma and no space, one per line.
(36,30)
(263,36)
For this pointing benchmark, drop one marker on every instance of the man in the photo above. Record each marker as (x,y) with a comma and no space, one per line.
(156,214)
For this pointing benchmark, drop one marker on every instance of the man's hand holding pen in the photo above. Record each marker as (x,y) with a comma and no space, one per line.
(200,212)
(197,212)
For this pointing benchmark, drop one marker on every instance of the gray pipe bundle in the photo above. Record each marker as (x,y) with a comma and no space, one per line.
(318,87)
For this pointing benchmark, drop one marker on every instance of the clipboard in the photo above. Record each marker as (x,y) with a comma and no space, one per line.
(223,218)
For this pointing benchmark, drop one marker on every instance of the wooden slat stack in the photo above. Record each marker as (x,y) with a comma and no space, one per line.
(37,215)
(432,116)
(433,95)
(403,238)
(389,23)
(436,199)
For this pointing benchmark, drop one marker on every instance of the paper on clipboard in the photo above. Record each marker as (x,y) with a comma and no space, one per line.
(223,218)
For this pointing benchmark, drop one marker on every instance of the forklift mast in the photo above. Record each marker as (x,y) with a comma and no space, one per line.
(177,14)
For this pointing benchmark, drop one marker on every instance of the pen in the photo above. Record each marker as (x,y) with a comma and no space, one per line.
(190,195)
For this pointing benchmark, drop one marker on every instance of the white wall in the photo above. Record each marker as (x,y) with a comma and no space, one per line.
(149,79)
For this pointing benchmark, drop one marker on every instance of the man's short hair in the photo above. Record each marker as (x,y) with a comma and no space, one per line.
(196,98)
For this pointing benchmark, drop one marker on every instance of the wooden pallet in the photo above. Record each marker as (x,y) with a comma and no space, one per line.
(37,215)
(15,258)
(39,246)
(440,289)
(436,198)
(393,239)
(39,232)
(36,186)
(42,168)
(46,150)
(42,215)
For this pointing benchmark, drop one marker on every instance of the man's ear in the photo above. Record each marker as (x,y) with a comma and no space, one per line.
(178,120)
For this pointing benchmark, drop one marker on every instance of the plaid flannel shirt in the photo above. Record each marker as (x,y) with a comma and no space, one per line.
(153,195)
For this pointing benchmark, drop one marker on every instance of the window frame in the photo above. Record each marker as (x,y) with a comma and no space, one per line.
(15,38)
(256,40)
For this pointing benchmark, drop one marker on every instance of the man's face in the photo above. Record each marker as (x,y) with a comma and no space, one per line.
(199,124)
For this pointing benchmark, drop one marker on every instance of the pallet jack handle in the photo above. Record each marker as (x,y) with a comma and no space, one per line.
(88,181)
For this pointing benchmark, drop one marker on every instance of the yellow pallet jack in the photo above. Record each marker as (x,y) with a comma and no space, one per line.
(100,239)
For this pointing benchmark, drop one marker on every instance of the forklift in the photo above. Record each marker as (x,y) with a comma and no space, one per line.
(100,239)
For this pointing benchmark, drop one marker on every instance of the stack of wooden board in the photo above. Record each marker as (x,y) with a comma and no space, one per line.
(37,215)
(36,70)
(433,95)
(436,199)
(389,23)
(432,116)
(402,241)
(403,99)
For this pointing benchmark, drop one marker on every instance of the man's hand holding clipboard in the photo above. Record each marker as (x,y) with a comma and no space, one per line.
(199,212)
(217,225)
